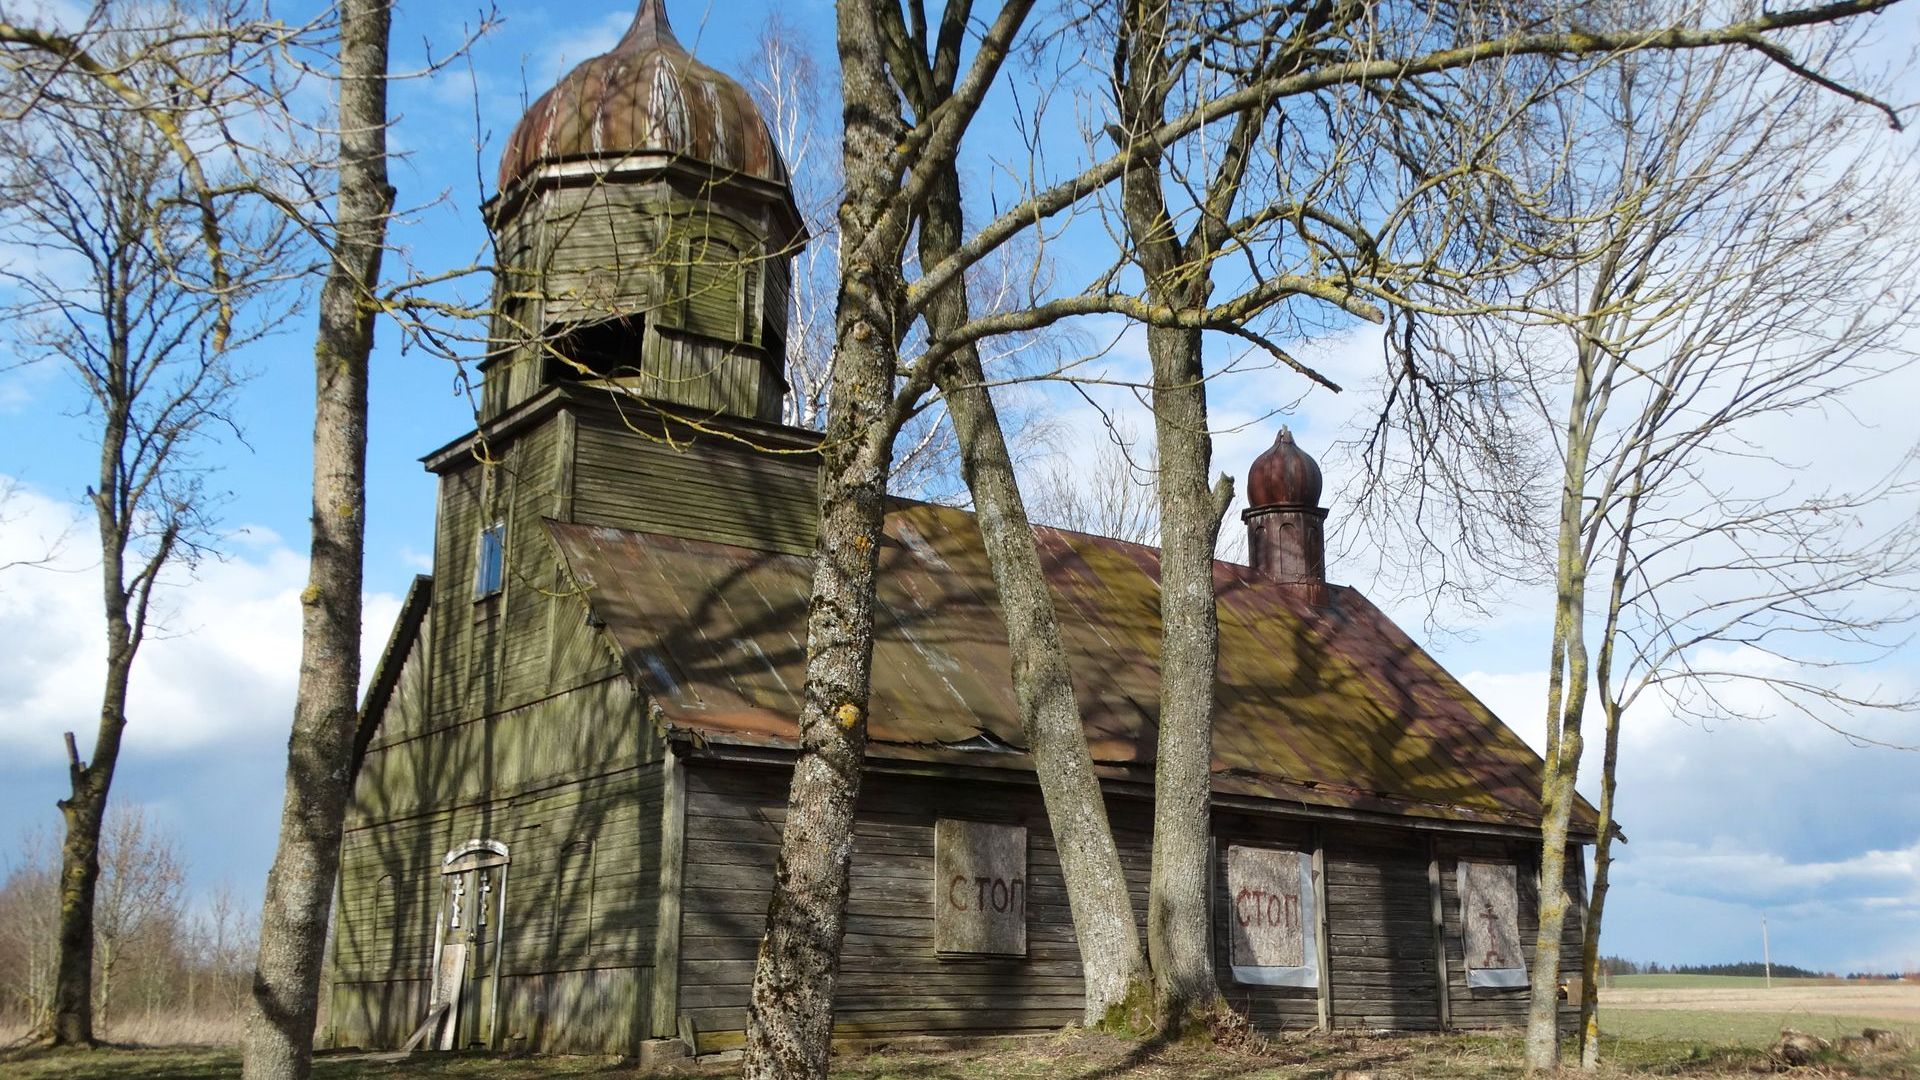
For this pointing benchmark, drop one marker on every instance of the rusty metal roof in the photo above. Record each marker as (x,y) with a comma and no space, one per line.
(1330,706)
(646,95)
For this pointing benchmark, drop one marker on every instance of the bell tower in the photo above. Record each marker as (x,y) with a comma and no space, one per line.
(643,232)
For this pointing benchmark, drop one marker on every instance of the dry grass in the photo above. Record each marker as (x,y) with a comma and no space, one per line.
(151,1030)
(1896,1003)
(1711,1033)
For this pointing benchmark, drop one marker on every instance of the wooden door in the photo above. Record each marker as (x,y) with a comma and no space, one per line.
(466,969)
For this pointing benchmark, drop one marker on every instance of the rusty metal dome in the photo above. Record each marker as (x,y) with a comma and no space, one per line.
(1283,476)
(647,95)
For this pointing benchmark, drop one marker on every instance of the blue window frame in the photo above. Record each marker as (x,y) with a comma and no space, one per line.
(490,570)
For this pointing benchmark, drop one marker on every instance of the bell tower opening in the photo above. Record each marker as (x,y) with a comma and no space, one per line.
(606,350)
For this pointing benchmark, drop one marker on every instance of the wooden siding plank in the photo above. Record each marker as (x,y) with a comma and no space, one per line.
(663,1005)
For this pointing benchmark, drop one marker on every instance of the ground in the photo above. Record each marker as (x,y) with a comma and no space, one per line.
(1702,1029)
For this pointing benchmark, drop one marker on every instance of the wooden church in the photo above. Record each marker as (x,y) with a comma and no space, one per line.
(576,748)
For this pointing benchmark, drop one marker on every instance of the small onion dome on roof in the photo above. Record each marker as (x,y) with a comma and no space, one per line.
(1283,476)
(647,95)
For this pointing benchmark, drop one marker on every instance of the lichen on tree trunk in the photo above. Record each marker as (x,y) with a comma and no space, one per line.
(790,1012)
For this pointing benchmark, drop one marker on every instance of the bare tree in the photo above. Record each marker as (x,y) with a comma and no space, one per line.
(1749,278)
(30,931)
(141,895)
(896,158)
(788,85)
(1108,492)
(1709,269)
(227,937)
(299,892)
(176,963)
(125,293)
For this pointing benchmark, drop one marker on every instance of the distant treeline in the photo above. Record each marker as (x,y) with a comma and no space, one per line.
(1618,965)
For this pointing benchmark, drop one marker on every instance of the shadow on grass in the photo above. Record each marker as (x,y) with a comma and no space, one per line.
(1067,1057)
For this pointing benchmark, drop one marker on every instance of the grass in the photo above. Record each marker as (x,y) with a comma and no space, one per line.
(1695,1045)
(1725,1028)
(1709,982)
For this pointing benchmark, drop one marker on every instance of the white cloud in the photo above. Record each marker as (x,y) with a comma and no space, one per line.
(1520,699)
(219,667)
(1886,880)
(1731,821)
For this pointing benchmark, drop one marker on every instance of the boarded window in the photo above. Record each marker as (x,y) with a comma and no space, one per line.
(714,281)
(490,561)
(573,902)
(1271,920)
(979,888)
(713,298)
(1490,924)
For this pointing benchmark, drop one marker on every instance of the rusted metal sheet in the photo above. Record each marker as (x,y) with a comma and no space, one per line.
(1328,705)
(646,95)
(1284,475)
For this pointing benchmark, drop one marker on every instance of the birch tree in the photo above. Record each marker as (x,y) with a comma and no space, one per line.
(1108,493)
(30,930)
(141,896)
(1750,279)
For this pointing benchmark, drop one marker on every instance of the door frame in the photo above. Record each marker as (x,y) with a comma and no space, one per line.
(471,857)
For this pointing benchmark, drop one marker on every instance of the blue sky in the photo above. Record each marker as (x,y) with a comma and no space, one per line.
(1784,818)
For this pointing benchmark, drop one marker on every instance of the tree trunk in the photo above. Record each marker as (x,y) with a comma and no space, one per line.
(109,959)
(1190,510)
(1101,906)
(1596,905)
(1611,706)
(299,891)
(790,1015)
(84,810)
(1566,705)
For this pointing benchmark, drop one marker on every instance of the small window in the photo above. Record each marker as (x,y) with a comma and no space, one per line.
(491,568)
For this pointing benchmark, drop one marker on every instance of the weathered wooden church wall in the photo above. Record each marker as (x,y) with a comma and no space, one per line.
(512,722)
(1374,951)
(892,980)
(638,883)
(582,885)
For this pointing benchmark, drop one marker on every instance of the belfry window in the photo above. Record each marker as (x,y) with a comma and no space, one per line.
(491,564)
(718,291)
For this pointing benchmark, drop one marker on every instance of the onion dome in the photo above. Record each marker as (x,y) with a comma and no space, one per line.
(1283,476)
(648,95)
